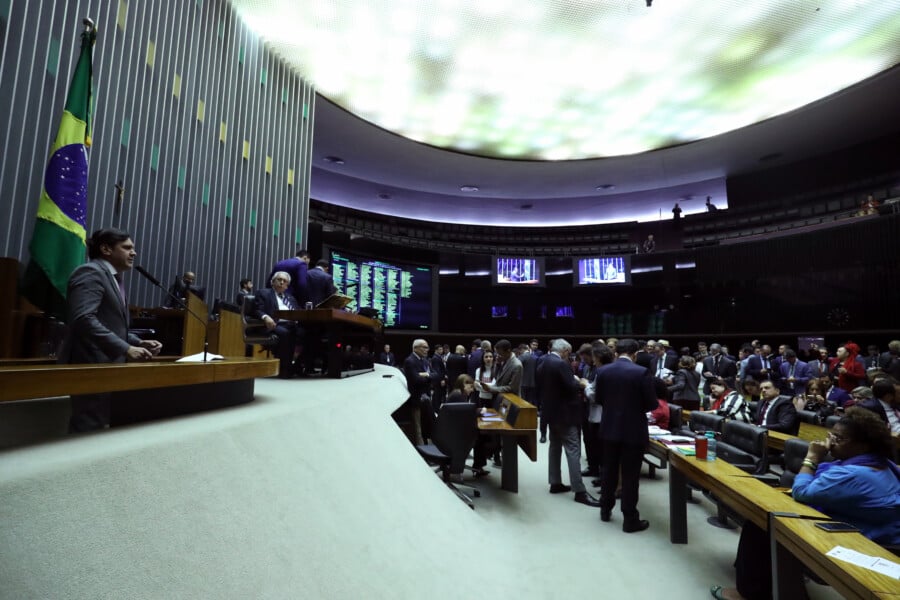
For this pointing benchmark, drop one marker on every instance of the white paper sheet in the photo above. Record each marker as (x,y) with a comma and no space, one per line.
(873,563)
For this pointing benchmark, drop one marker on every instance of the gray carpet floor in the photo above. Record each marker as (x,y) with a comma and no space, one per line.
(311,491)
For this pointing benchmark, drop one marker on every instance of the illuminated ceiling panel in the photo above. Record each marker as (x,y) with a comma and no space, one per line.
(558,80)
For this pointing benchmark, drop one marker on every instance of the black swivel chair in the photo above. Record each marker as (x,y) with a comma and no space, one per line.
(832,421)
(255,330)
(809,416)
(795,451)
(745,446)
(702,422)
(453,437)
(675,425)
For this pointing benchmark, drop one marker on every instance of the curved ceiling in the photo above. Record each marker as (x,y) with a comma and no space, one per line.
(563,80)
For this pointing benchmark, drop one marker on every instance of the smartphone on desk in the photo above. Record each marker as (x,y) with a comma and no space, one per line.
(835,526)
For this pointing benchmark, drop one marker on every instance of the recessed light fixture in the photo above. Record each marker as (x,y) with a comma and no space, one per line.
(468,188)
(605,187)
(526,207)
(335,160)
(384,196)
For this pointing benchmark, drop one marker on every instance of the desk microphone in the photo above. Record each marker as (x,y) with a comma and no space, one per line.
(146,274)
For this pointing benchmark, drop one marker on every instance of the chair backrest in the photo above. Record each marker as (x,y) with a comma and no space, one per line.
(701,421)
(795,450)
(744,444)
(808,416)
(455,431)
(676,418)
(255,331)
(832,421)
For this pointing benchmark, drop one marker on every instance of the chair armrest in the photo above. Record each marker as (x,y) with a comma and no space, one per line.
(768,479)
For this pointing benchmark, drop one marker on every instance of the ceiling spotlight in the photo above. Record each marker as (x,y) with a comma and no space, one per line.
(605,187)
(468,188)
(335,160)
(384,196)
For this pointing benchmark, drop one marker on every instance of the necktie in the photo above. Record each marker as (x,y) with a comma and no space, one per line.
(716,368)
(121,284)
(762,413)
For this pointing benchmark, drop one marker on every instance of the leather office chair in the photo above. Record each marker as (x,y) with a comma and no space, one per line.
(675,426)
(809,416)
(832,421)
(702,422)
(794,452)
(255,331)
(745,446)
(676,418)
(453,437)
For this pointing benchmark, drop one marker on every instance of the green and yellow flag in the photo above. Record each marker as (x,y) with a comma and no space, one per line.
(58,242)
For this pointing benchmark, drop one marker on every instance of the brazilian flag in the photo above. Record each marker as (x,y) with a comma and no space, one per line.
(58,242)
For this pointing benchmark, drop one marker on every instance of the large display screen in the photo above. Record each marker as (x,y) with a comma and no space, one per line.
(518,271)
(403,294)
(602,270)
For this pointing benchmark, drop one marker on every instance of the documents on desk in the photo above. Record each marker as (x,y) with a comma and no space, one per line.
(873,563)
(199,357)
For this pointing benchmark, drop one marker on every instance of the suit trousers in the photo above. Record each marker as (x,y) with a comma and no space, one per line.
(628,458)
(529,394)
(566,437)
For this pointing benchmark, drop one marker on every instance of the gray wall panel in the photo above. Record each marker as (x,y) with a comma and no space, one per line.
(205,224)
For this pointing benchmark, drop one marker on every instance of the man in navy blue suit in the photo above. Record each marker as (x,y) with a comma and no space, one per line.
(297,267)
(562,408)
(625,390)
(267,303)
(319,283)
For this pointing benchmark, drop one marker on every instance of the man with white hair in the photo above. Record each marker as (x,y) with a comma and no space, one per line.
(562,408)
(417,369)
(267,303)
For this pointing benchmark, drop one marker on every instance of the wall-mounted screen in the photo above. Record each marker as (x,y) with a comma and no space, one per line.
(403,294)
(499,312)
(565,312)
(602,270)
(517,271)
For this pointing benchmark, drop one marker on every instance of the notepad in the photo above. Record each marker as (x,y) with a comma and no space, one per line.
(199,357)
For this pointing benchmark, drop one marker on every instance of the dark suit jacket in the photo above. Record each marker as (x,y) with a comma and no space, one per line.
(474,362)
(457,365)
(782,415)
(387,358)
(297,269)
(98,321)
(754,366)
(416,383)
(875,406)
(559,392)
(625,390)
(319,285)
(529,367)
(266,302)
(727,370)
(671,363)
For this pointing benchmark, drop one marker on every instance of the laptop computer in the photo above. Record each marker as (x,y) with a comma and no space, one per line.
(335,301)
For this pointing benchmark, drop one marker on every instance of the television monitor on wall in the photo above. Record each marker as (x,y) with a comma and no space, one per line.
(403,294)
(520,271)
(499,312)
(601,270)
(565,312)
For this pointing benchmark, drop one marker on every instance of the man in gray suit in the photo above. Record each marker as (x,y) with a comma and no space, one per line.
(97,316)
(509,380)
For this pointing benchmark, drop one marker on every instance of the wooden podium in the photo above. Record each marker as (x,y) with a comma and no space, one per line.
(517,428)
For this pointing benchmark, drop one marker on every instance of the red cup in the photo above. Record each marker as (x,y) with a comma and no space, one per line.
(701,445)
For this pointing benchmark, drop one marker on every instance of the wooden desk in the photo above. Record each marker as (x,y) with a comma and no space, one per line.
(336,326)
(519,428)
(43,381)
(809,544)
(750,498)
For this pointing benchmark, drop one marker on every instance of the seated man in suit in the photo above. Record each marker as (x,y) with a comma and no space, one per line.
(387,357)
(245,289)
(319,283)
(97,314)
(267,303)
(296,267)
(776,412)
(178,292)
(885,404)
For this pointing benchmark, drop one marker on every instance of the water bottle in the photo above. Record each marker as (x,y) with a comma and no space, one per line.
(710,445)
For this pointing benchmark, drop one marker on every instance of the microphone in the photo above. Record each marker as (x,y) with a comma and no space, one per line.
(146,274)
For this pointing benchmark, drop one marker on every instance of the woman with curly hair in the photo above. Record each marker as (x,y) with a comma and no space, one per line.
(861,486)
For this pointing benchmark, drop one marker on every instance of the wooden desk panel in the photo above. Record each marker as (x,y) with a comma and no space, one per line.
(518,429)
(809,544)
(231,334)
(326,316)
(44,381)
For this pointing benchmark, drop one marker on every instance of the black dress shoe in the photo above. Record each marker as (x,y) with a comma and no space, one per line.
(605,515)
(559,488)
(590,473)
(586,499)
(543,439)
(635,525)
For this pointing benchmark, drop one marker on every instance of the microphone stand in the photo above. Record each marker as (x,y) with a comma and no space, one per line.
(181,303)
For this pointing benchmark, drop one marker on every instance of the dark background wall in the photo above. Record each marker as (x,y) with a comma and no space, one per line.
(180,89)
